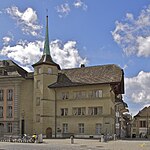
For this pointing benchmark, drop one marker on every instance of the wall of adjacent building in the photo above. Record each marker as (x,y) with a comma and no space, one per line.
(26,105)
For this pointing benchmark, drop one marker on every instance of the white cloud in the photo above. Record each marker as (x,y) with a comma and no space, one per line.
(27,20)
(63,9)
(66,54)
(137,88)
(27,53)
(133,34)
(7,40)
(80,4)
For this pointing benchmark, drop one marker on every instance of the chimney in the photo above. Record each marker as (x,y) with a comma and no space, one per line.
(82,65)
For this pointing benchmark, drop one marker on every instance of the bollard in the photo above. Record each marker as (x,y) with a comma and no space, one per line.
(114,137)
(72,139)
(102,138)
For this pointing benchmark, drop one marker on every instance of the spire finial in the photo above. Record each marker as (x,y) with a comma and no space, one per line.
(46,44)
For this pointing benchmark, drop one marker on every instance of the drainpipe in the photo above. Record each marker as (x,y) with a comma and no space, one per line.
(55,121)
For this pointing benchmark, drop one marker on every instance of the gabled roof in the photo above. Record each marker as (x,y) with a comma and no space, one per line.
(8,68)
(89,75)
(145,112)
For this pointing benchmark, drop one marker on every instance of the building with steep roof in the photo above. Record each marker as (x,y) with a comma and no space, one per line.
(59,102)
(141,123)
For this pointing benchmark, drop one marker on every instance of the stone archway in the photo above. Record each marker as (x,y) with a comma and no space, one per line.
(49,133)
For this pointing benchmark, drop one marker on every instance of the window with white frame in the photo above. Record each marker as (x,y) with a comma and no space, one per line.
(143,123)
(95,110)
(65,128)
(1,111)
(9,112)
(78,111)
(98,127)
(81,128)
(9,94)
(65,95)
(1,95)
(64,111)
(9,127)
(96,93)
(79,94)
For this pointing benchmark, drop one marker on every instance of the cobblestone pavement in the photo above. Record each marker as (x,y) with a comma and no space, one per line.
(79,144)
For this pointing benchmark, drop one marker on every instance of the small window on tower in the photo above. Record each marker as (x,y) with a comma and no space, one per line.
(39,70)
(49,70)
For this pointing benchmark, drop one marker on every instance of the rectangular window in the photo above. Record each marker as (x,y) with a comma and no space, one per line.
(81,127)
(79,94)
(9,94)
(38,84)
(64,111)
(1,95)
(1,111)
(37,117)
(96,94)
(65,128)
(143,124)
(38,101)
(49,70)
(78,111)
(39,70)
(9,127)
(95,110)
(98,128)
(65,95)
(9,110)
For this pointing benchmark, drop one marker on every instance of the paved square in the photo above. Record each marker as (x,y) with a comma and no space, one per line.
(79,144)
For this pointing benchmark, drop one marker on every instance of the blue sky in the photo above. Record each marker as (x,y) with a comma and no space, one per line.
(94,32)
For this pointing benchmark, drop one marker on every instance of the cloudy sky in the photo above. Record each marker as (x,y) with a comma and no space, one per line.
(93,32)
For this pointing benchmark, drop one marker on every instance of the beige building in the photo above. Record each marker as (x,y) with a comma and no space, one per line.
(141,124)
(59,102)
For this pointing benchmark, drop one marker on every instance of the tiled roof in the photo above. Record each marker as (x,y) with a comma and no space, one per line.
(89,75)
(8,68)
(144,112)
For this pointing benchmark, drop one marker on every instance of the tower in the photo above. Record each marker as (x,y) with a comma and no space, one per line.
(45,73)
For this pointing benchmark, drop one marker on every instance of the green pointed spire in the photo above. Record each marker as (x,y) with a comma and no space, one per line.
(46,44)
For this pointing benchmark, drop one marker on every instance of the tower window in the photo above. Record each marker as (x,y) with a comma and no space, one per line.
(39,70)
(49,70)
(38,84)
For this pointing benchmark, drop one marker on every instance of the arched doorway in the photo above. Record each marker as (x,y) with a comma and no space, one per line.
(49,133)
